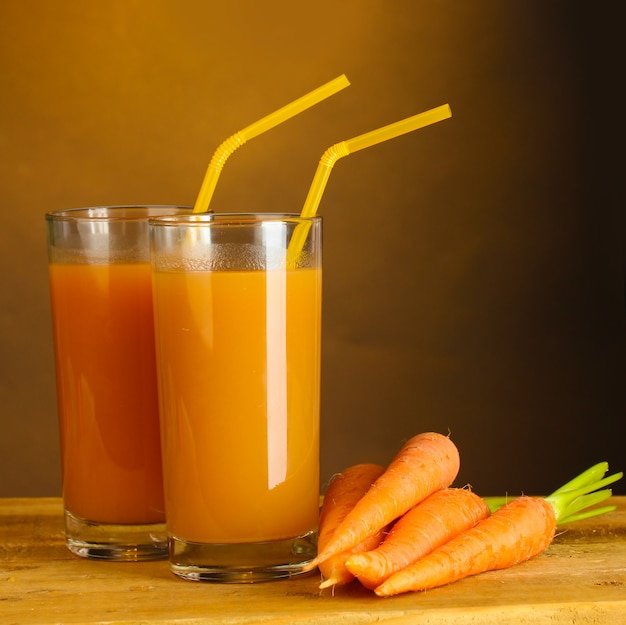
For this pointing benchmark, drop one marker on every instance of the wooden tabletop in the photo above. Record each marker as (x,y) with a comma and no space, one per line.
(580,578)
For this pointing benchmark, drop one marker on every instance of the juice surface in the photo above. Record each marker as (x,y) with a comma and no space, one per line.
(238,356)
(107,392)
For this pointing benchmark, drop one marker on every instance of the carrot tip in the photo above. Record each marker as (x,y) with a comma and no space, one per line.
(307,567)
(327,583)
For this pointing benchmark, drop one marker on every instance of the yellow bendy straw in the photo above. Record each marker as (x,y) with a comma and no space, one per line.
(269,121)
(339,150)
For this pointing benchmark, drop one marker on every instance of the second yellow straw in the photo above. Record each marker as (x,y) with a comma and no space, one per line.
(339,150)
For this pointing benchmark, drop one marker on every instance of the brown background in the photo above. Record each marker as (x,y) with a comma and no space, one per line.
(474,270)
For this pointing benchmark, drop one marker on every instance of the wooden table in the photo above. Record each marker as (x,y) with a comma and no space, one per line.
(580,578)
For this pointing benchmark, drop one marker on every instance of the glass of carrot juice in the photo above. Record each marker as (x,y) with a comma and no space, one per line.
(238,340)
(102,321)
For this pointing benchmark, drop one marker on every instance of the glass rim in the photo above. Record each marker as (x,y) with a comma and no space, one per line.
(221,219)
(113,212)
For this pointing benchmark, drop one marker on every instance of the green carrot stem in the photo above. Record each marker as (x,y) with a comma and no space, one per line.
(592,474)
(497,502)
(588,514)
(569,502)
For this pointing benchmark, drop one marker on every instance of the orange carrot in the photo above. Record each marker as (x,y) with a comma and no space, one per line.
(518,531)
(431,523)
(426,463)
(334,570)
(342,494)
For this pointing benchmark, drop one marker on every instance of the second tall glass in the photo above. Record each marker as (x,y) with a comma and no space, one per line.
(101,297)
(238,341)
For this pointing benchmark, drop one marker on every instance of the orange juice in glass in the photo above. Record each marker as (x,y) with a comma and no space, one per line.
(238,340)
(102,321)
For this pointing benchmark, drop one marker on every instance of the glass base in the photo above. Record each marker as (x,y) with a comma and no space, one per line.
(108,541)
(242,563)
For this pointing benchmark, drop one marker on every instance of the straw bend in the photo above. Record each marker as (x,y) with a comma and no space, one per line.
(225,150)
(334,153)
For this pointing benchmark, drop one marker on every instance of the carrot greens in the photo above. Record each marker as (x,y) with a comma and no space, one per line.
(572,500)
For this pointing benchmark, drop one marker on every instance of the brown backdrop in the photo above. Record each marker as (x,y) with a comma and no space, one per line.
(474,271)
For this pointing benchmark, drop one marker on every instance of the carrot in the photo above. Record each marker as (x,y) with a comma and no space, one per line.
(434,521)
(425,463)
(342,494)
(519,530)
(334,569)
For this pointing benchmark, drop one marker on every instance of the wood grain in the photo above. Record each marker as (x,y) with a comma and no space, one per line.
(581,578)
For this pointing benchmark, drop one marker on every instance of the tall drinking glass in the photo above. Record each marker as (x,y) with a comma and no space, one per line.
(101,300)
(238,340)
